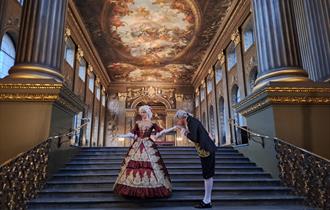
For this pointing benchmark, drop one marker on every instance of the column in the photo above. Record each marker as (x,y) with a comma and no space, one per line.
(40,44)
(277,43)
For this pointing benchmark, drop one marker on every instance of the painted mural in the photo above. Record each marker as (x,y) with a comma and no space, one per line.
(150,31)
(153,40)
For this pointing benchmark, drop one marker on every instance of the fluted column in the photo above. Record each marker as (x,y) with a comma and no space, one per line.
(277,42)
(313,21)
(40,45)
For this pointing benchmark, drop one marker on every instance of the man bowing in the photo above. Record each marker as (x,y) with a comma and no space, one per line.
(193,129)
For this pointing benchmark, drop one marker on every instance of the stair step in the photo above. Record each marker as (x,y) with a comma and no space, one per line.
(86,182)
(159,148)
(169,156)
(175,183)
(167,163)
(51,193)
(114,201)
(188,206)
(166,160)
(112,176)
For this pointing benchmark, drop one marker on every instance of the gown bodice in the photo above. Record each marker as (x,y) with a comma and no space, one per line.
(145,129)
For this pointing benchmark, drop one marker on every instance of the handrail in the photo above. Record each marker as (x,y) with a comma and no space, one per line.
(19,185)
(305,172)
(232,121)
(51,138)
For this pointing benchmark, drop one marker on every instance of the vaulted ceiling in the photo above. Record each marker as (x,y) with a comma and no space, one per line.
(152,40)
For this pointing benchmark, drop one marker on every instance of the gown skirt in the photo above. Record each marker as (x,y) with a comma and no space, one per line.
(143,173)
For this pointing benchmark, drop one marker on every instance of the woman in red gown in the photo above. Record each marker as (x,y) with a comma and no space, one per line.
(143,173)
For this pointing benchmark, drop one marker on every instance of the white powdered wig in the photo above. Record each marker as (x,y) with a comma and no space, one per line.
(147,109)
(180,114)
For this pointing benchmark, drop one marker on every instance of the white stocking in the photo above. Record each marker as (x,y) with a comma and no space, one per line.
(208,184)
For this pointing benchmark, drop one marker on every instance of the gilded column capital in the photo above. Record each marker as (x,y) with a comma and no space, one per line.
(236,37)
(67,33)
(122,96)
(179,97)
(221,58)
(79,54)
(90,70)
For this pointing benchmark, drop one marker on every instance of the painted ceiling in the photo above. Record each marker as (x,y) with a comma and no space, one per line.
(152,40)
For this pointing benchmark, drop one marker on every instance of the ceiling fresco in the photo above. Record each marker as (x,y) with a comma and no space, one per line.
(152,40)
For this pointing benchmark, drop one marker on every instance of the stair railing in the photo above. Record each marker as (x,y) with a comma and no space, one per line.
(307,173)
(24,175)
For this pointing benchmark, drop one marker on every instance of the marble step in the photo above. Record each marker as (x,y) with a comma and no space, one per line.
(189,175)
(166,160)
(115,168)
(95,192)
(116,201)
(195,182)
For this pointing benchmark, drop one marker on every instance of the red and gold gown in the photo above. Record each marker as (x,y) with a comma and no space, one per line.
(143,173)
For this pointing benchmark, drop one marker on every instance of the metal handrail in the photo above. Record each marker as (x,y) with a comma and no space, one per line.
(232,121)
(72,132)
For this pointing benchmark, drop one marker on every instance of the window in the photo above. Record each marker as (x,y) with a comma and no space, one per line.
(196,100)
(20,2)
(231,56)
(252,78)
(103,100)
(91,83)
(248,36)
(82,69)
(7,55)
(218,74)
(202,93)
(209,85)
(70,51)
(98,93)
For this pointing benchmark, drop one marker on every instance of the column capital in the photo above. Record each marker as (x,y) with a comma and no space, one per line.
(221,58)
(236,37)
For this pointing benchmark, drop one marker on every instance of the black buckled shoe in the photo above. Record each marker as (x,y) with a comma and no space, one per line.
(203,205)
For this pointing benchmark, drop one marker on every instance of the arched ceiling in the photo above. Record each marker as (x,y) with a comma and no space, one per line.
(152,40)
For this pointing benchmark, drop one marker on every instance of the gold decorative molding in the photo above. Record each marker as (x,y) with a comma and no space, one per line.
(179,97)
(67,33)
(97,81)
(221,58)
(90,69)
(79,54)
(28,97)
(236,37)
(122,96)
(284,95)
(29,86)
(55,93)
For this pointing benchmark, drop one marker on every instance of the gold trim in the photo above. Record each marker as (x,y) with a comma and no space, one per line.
(29,86)
(236,37)
(221,58)
(79,54)
(90,69)
(295,100)
(67,33)
(24,71)
(28,97)
(305,97)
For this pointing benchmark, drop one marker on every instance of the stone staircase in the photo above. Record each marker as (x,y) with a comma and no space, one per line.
(86,183)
